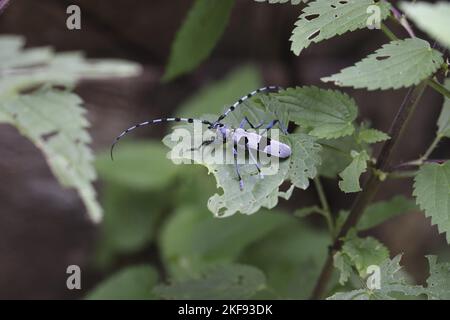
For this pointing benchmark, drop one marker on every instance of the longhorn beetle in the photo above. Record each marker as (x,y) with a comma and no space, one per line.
(252,141)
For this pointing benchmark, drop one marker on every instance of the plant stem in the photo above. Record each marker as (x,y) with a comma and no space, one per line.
(388,32)
(402,174)
(401,19)
(372,184)
(431,148)
(426,155)
(439,88)
(324,204)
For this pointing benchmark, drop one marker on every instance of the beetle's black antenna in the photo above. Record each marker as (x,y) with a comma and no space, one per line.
(248,96)
(160,120)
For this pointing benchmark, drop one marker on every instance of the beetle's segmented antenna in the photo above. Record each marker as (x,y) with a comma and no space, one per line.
(161,120)
(248,96)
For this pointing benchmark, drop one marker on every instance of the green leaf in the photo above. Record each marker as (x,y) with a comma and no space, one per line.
(197,37)
(350,175)
(343,263)
(444,118)
(398,64)
(439,280)
(55,122)
(324,19)
(130,221)
(378,212)
(372,136)
(225,282)
(293,2)
(13,55)
(185,251)
(138,165)
(336,155)
(304,160)
(291,258)
(359,253)
(26,68)
(132,283)
(257,192)
(432,18)
(328,114)
(217,96)
(392,283)
(432,192)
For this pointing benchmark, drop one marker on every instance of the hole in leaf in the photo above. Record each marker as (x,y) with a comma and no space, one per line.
(380,58)
(314,35)
(47,136)
(221,211)
(311,17)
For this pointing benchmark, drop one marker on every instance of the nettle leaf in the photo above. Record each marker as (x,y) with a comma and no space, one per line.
(359,253)
(304,159)
(432,192)
(293,2)
(336,155)
(343,263)
(21,68)
(13,55)
(185,251)
(378,212)
(432,18)
(350,175)
(257,192)
(197,37)
(398,64)
(444,118)
(327,114)
(324,19)
(55,122)
(132,283)
(439,280)
(393,283)
(227,282)
(372,136)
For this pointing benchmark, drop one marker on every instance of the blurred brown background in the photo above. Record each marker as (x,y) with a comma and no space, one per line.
(43,227)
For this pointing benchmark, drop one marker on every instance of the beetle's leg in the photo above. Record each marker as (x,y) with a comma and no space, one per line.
(272,124)
(255,162)
(236,165)
(245,120)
